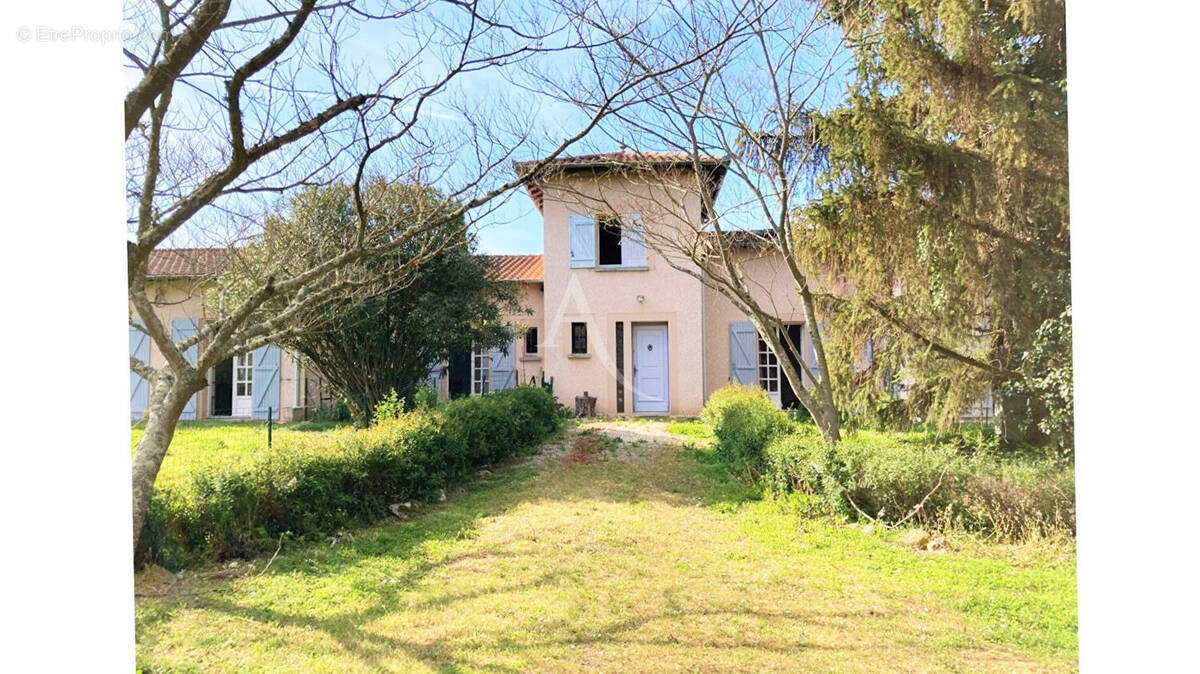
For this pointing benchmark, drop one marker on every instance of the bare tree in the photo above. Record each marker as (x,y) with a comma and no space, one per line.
(227,107)
(743,105)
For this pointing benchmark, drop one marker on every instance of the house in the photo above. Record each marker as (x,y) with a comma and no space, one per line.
(612,318)
(605,314)
(251,385)
(273,380)
(616,320)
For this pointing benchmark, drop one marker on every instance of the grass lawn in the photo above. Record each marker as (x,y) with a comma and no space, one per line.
(212,444)
(646,557)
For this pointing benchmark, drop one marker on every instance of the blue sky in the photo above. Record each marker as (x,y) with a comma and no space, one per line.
(510,224)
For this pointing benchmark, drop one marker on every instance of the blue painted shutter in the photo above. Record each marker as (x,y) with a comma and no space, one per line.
(183,328)
(266,381)
(504,371)
(582,233)
(434,378)
(633,241)
(139,388)
(743,351)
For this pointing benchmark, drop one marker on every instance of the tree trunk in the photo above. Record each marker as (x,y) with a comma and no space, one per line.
(1013,419)
(168,397)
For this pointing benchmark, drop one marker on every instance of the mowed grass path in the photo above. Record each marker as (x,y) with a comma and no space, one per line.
(650,560)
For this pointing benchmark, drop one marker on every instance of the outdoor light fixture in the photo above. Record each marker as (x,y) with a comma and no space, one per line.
(641,298)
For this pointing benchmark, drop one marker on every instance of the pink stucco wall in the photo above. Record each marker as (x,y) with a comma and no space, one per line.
(772,286)
(533,299)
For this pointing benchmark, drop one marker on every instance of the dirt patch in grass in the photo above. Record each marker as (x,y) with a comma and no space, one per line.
(651,560)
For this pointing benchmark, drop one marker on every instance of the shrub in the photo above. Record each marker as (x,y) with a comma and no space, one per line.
(930,479)
(743,420)
(326,481)
(426,398)
(390,406)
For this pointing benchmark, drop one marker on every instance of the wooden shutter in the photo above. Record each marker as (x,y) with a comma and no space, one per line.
(183,328)
(139,388)
(743,351)
(266,381)
(582,231)
(633,241)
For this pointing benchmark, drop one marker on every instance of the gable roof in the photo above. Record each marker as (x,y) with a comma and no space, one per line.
(191,263)
(713,166)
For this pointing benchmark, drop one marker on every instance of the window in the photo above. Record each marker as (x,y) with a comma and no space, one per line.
(579,338)
(610,241)
(768,368)
(244,374)
(619,241)
(531,342)
(481,370)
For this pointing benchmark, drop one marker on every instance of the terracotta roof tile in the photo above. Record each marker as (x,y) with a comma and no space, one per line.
(201,262)
(187,262)
(516,267)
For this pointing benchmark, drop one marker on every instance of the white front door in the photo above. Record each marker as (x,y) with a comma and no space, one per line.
(650,368)
(243,385)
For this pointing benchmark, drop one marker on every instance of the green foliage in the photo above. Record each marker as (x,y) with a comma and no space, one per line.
(744,420)
(338,412)
(390,406)
(426,398)
(317,484)
(958,200)
(401,313)
(933,480)
(1050,381)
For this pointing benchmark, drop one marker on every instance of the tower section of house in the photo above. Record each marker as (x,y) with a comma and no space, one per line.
(621,323)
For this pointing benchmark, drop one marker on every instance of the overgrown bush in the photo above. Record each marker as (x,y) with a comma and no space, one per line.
(390,406)
(743,420)
(344,477)
(934,481)
(426,398)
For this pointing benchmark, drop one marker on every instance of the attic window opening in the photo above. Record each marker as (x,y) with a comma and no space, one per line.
(610,241)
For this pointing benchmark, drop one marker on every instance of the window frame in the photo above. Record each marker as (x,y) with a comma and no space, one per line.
(575,337)
(243,363)
(623,224)
(769,371)
(611,223)
(481,371)
(531,341)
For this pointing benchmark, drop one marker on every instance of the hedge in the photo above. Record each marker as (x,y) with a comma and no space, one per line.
(315,486)
(886,476)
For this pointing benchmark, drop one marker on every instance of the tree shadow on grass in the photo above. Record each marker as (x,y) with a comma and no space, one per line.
(385,569)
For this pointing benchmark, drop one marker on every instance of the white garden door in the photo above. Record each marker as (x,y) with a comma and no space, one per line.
(650,368)
(243,385)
